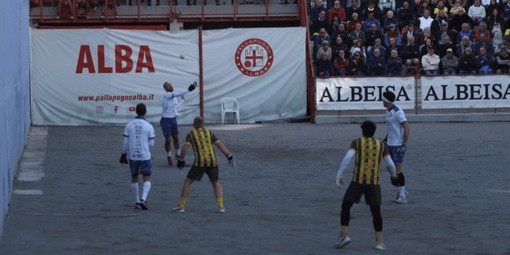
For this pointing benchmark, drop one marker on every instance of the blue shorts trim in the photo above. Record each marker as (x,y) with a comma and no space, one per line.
(143,167)
(169,126)
(397,157)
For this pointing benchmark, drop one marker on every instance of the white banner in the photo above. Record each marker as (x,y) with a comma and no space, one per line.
(363,93)
(94,77)
(265,69)
(447,92)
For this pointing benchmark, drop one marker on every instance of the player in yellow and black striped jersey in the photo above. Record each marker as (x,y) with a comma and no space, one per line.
(368,153)
(202,140)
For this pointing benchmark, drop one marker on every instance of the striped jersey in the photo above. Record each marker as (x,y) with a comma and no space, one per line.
(368,163)
(202,140)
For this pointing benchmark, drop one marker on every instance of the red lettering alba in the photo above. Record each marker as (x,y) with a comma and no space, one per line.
(123,60)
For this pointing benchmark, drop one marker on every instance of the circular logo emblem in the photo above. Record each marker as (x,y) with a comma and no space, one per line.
(254,57)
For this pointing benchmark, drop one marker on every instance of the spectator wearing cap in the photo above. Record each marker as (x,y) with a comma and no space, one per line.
(444,32)
(394,64)
(437,24)
(484,62)
(449,63)
(459,19)
(467,62)
(371,20)
(477,12)
(503,60)
(389,20)
(406,15)
(430,62)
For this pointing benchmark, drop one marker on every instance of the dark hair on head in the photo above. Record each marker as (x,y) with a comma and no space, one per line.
(141,109)
(368,128)
(198,122)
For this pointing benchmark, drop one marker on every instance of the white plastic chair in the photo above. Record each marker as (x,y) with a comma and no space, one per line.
(229,104)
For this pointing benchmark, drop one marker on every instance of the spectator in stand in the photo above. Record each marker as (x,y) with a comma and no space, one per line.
(355,20)
(358,66)
(387,5)
(323,36)
(358,47)
(390,19)
(333,24)
(425,35)
(394,64)
(341,64)
(338,46)
(503,60)
(495,22)
(406,15)
(392,46)
(483,43)
(372,8)
(466,31)
(477,12)
(424,47)
(424,6)
(494,4)
(65,9)
(497,39)
(342,32)
(372,35)
(444,33)
(467,63)
(439,7)
(411,56)
(394,33)
(358,34)
(325,50)
(438,22)
(377,64)
(355,8)
(321,22)
(482,29)
(324,66)
(462,46)
(484,62)
(377,45)
(107,6)
(449,63)
(430,62)
(459,19)
(505,10)
(447,44)
(369,21)
(338,10)
(455,7)
(314,14)
(425,20)
(410,32)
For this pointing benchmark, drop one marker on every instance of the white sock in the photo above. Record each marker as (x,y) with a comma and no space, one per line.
(178,152)
(169,153)
(402,191)
(134,187)
(146,189)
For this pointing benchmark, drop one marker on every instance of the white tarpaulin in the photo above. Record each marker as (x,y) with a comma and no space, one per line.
(89,77)
(465,92)
(363,93)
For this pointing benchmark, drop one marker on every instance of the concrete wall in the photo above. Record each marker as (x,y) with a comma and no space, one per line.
(14,94)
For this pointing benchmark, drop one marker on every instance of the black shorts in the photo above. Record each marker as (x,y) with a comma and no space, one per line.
(371,192)
(196,173)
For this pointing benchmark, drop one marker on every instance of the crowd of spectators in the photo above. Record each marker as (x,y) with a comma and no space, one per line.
(406,37)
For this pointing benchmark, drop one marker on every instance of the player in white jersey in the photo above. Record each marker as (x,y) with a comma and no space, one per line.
(137,144)
(396,139)
(168,120)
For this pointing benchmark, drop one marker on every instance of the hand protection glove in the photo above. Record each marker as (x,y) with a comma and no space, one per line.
(180,163)
(231,161)
(192,86)
(123,158)
(339,181)
(395,181)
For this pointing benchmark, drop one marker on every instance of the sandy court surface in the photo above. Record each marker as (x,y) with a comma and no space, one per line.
(281,198)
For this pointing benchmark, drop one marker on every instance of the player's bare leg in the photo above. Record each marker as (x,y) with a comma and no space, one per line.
(186,187)
(176,146)
(401,198)
(168,142)
(218,192)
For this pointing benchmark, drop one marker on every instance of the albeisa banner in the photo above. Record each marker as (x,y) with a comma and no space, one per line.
(448,92)
(363,93)
(96,77)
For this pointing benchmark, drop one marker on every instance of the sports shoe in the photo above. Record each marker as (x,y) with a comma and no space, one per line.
(143,205)
(401,200)
(178,210)
(137,206)
(380,246)
(343,242)
(221,210)
(169,160)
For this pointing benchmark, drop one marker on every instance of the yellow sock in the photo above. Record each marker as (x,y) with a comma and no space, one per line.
(378,237)
(182,202)
(219,200)
(345,231)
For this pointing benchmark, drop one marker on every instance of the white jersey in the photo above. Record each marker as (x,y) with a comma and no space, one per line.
(138,139)
(395,117)
(169,106)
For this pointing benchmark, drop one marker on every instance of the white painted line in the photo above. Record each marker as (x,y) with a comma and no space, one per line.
(28,192)
(499,190)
